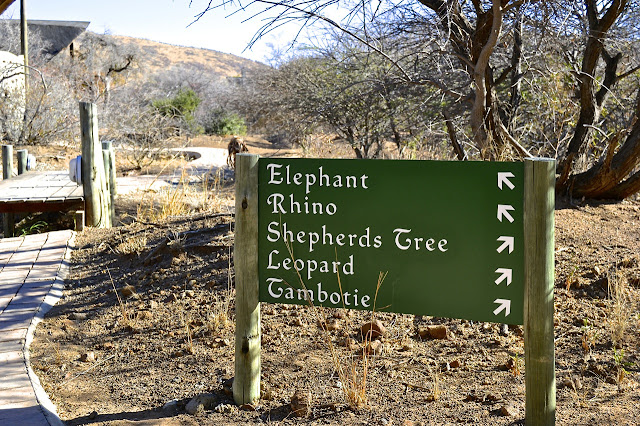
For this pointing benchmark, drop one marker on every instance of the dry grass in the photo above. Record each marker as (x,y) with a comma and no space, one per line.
(132,245)
(184,198)
(620,308)
(352,368)
(127,318)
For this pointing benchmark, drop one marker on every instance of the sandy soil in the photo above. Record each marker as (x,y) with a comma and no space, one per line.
(147,323)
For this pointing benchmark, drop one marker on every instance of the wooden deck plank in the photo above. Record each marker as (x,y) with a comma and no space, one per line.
(40,191)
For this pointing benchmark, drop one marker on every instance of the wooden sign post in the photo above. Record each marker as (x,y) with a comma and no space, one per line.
(246,384)
(539,355)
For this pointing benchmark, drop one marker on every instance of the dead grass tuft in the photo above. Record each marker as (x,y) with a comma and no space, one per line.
(620,308)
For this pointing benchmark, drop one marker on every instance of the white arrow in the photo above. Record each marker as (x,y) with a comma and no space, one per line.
(507,242)
(505,305)
(503,211)
(505,274)
(503,178)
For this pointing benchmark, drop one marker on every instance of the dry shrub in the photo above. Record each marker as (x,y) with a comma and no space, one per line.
(620,307)
(132,245)
(183,198)
(352,367)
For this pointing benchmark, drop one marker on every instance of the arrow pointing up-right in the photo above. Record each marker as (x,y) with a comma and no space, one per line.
(507,242)
(503,178)
(505,274)
(505,305)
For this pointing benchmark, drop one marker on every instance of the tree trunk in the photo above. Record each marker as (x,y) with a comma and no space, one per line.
(606,179)
(591,102)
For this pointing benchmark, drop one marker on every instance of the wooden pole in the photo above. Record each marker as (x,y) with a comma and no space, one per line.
(24,41)
(22,160)
(96,196)
(7,161)
(24,51)
(539,206)
(246,384)
(110,170)
(8,219)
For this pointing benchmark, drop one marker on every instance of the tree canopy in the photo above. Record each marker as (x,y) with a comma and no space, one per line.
(527,78)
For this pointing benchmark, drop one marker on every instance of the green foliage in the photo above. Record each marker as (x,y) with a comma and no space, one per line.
(35,228)
(182,106)
(222,122)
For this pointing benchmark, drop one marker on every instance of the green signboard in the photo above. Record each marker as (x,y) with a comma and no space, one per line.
(448,235)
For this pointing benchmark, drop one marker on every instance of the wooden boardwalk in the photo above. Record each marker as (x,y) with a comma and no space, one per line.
(40,192)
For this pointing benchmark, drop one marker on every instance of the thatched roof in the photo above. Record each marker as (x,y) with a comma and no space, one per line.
(56,35)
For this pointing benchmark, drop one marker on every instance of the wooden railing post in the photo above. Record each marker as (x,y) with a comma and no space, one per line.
(539,207)
(110,173)
(97,198)
(246,384)
(22,160)
(8,219)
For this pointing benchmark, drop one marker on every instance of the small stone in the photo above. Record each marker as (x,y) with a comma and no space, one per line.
(224,408)
(454,364)
(88,357)
(190,293)
(144,315)
(406,346)
(566,383)
(507,411)
(248,407)
(93,415)
(170,406)
(350,343)
(300,403)
(192,282)
(127,291)
(434,332)
(577,383)
(373,329)
(204,401)
(374,347)
(227,386)
(170,298)
(77,316)
(265,392)
(333,325)
(340,314)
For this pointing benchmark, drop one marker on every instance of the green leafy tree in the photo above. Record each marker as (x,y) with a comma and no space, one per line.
(182,107)
(223,122)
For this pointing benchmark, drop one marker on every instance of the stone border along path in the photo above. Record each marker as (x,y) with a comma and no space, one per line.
(32,273)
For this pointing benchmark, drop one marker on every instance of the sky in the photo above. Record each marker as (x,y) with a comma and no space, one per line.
(165,21)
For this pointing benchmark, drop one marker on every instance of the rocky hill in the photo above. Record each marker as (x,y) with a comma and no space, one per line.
(155,56)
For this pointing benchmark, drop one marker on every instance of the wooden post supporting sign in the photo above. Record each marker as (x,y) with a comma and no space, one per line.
(246,384)
(539,206)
